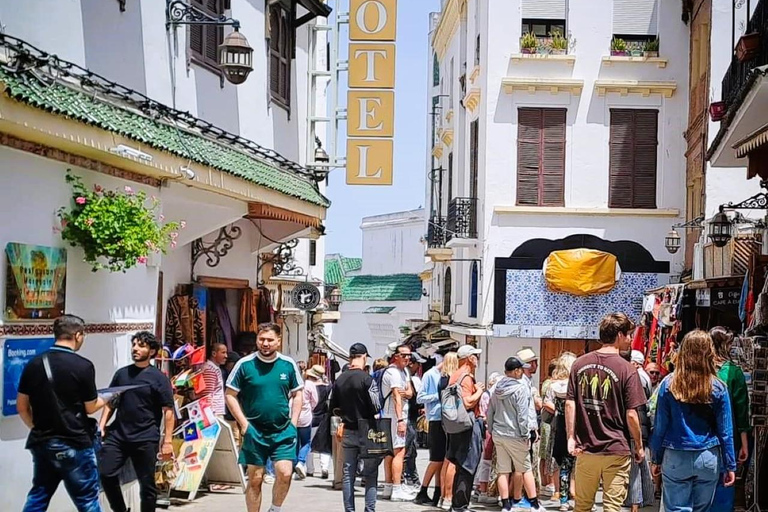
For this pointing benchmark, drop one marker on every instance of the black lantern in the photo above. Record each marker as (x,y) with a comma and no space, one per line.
(235,57)
(720,229)
(334,298)
(672,241)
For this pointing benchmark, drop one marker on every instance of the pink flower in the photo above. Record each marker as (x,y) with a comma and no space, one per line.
(98,189)
(155,199)
(80,200)
(174,235)
(64,223)
(161,218)
(128,190)
(141,259)
(173,244)
(183,224)
(55,230)
(88,222)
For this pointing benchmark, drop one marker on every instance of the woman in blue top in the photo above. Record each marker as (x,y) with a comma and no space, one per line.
(692,441)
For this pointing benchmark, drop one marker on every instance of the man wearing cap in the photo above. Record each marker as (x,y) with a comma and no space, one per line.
(637,359)
(509,422)
(311,398)
(396,391)
(530,367)
(351,400)
(465,449)
(410,471)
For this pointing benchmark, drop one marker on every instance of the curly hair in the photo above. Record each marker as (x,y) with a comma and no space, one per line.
(563,366)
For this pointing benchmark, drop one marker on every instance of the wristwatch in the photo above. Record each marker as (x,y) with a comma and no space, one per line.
(401,421)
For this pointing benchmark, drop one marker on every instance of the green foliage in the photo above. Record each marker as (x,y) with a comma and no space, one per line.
(652,46)
(115,229)
(558,41)
(529,41)
(618,44)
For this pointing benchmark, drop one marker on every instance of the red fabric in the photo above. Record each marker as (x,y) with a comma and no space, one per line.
(197,356)
(198,382)
(638,342)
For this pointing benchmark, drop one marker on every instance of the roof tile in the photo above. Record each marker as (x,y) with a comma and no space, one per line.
(396,287)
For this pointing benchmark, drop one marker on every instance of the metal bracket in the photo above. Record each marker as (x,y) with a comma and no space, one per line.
(179,12)
(217,249)
(283,261)
(696,223)
(758,201)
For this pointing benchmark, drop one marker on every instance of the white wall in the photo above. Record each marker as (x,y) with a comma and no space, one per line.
(100,297)
(587,133)
(392,243)
(376,331)
(497,350)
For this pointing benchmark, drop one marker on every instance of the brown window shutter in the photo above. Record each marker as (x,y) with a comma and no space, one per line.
(212,40)
(633,154)
(274,49)
(553,158)
(196,40)
(529,125)
(541,157)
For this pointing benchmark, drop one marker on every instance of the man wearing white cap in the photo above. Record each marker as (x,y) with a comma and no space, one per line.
(638,361)
(530,366)
(465,449)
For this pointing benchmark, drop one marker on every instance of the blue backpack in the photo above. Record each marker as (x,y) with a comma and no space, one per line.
(377,395)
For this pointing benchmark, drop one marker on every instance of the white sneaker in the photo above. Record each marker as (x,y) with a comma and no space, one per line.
(547,491)
(386,493)
(269,479)
(301,471)
(402,493)
(540,508)
(446,505)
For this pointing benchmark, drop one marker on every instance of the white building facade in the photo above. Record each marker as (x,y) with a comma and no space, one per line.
(551,143)
(382,292)
(233,162)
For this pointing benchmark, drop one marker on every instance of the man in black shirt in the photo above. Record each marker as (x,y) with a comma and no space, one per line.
(57,391)
(350,399)
(135,433)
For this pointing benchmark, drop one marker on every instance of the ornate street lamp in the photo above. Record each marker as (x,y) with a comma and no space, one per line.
(672,241)
(720,229)
(334,298)
(235,54)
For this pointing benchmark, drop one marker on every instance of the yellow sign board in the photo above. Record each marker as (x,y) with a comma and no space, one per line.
(370,161)
(372,66)
(371,97)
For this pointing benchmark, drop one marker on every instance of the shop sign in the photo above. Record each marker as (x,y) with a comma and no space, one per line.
(371,96)
(725,298)
(702,298)
(16,354)
(37,277)
(305,296)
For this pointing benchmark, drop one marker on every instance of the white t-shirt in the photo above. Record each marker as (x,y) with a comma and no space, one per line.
(393,378)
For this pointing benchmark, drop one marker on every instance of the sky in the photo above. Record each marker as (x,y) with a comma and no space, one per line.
(352,203)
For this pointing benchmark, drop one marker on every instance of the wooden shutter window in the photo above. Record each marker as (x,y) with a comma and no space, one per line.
(204,40)
(541,157)
(633,158)
(280,54)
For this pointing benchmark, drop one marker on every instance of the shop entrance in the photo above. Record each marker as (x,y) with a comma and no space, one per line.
(551,348)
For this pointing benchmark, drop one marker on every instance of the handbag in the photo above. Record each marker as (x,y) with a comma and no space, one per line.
(375,438)
(90,424)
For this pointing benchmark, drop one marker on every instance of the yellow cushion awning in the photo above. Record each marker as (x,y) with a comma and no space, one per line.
(580,272)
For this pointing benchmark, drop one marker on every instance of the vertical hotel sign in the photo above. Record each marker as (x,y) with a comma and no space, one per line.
(371,96)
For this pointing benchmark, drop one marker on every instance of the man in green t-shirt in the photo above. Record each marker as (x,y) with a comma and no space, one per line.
(264,396)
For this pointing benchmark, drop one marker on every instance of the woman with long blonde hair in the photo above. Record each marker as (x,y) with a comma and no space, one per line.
(692,441)
(448,472)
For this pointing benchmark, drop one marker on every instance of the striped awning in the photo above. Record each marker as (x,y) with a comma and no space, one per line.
(751,142)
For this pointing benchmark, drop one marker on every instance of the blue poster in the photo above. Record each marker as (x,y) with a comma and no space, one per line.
(16,354)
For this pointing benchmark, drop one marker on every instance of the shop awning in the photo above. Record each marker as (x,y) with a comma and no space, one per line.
(751,142)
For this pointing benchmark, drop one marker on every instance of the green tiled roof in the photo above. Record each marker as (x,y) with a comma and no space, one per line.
(69,102)
(351,264)
(398,287)
(337,267)
(379,310)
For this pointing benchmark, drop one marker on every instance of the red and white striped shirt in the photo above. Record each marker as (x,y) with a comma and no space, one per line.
(214,387)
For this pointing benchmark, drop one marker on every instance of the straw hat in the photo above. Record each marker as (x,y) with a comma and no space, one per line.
(316,372)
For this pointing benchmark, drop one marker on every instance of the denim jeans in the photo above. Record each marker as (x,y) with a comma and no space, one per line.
(410,471)
(56,461)
(690,479)
(304,443)
(351,443)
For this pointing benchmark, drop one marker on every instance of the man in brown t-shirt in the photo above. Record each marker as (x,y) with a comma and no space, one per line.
(604,392)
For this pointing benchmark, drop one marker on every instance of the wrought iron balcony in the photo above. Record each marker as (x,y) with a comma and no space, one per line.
(737,77)
(436,232)
(462,218)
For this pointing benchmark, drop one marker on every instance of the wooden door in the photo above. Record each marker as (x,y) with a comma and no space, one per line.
(552,348)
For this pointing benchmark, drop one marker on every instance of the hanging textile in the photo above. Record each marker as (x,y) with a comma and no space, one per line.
(183,322)
(221,325)
(264,310)
(248,316)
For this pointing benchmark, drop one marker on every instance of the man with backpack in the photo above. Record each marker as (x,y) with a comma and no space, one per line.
(465,430)
(396,391)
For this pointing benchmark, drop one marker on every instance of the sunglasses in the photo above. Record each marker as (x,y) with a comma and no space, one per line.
(654,373)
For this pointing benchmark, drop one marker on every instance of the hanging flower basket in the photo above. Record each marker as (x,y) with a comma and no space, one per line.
(115,229)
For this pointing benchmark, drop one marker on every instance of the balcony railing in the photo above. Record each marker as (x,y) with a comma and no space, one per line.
(462,218)
(738,72)
(436,232)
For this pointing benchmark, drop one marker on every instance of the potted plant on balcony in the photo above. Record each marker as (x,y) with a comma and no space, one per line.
(558,44)
(748,46)
(717,110)
(528,43)
(651,48)
(618,47)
